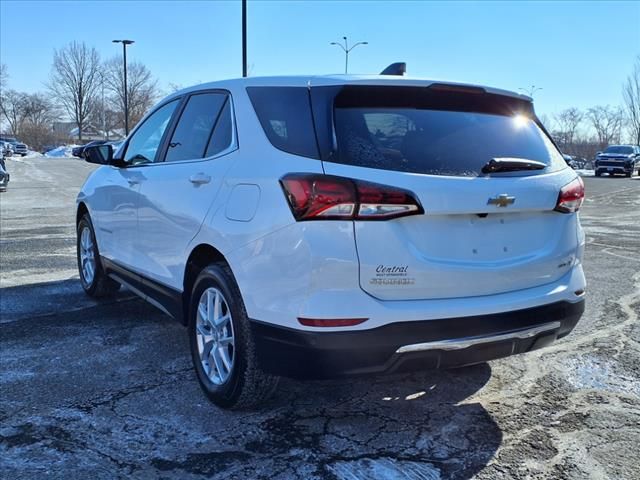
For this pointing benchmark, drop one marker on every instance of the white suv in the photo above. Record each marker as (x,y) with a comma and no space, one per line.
(325,226)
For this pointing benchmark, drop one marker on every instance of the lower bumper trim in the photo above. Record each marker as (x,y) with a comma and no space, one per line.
(413,345)
(462,343)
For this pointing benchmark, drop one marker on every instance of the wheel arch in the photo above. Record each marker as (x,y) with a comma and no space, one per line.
(81,211)
(201,256)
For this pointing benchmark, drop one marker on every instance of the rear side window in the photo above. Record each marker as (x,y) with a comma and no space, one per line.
(222,136)
(411,130)
(194,129)
(285,116)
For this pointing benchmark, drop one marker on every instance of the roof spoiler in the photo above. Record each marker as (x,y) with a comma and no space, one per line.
(398,68)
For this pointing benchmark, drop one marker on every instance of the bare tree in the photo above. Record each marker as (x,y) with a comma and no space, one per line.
(607,122)
(75,80)
(631,96)
(545,120)
(142,89)
(12,106)
(567,122)
(174,87)
(4,77)
(39,110)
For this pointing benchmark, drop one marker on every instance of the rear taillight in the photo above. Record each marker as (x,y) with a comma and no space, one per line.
(571,197)
(327,197)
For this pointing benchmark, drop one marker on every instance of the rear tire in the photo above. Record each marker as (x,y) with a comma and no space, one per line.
(94,280)
(222,345)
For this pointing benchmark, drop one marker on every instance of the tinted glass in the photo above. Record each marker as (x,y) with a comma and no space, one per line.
(437,141)
(144,144)
(190,138)
(222,135)
(619,149)
(285,116)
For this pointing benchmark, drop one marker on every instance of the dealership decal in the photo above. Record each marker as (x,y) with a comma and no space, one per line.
(392,275)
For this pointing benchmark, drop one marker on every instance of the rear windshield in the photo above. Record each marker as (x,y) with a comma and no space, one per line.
(619,149)
(437,133)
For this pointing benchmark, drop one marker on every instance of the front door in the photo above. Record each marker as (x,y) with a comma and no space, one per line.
(118,225)
(178,191)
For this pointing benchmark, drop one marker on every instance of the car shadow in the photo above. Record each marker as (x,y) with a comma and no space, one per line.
(49,298)
(424,425)
(118,374)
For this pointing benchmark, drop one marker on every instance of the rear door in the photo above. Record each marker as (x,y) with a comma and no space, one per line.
(481,234)
(178,191)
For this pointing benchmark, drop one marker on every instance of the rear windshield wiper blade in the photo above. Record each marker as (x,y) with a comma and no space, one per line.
(507,164)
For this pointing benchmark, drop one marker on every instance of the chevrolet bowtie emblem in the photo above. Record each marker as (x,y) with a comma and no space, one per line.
(501,200)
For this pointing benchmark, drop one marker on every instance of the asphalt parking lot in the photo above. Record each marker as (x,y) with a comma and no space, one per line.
(106,390)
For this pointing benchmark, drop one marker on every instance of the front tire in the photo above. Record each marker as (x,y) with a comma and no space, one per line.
(94,280)
(222,345)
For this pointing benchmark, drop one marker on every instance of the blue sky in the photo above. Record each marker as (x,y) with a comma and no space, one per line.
(578,52)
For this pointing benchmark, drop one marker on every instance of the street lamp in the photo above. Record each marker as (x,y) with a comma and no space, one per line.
(347,49)
(531,90)
(126,102)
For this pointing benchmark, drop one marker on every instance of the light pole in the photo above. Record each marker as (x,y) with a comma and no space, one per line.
(126,102)
(105,134)
(244,38)
(347,49)
(530,90)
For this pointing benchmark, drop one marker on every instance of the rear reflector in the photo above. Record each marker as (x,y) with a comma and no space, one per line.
(328,197)
(331,322)
(571,196)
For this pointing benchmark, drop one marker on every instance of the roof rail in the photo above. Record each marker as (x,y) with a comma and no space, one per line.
(398,68)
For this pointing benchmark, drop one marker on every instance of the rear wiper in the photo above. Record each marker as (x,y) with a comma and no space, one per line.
(507,164)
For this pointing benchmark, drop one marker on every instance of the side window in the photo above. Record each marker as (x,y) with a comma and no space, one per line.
(144,144)
(285,116)
(191,136)
(222,136)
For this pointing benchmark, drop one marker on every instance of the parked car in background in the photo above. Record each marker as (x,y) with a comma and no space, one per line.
(618,159)
(330,226)
(574,162)
(78,151)
(4,177)
(19,148)
(7,149)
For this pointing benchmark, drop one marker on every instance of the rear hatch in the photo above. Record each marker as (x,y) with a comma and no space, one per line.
(480,233)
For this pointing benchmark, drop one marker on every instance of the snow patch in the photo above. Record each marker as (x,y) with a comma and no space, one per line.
(593,373)
(59,152)
(585,173)
(32,154)
(383,469)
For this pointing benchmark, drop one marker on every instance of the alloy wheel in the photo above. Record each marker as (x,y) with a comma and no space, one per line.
(214,335)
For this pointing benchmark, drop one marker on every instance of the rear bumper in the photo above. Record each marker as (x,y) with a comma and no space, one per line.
(411,346)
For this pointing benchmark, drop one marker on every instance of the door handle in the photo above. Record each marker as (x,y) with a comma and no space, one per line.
(199,179)
(133,181)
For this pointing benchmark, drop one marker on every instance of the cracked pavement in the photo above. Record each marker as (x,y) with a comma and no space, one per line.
(106,389)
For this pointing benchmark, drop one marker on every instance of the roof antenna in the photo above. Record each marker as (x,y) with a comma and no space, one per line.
(398,68)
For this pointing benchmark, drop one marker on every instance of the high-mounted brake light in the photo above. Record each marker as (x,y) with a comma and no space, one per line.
(328,197)
(571,197)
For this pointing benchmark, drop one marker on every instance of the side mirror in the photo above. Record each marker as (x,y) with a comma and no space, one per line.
(100,154)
